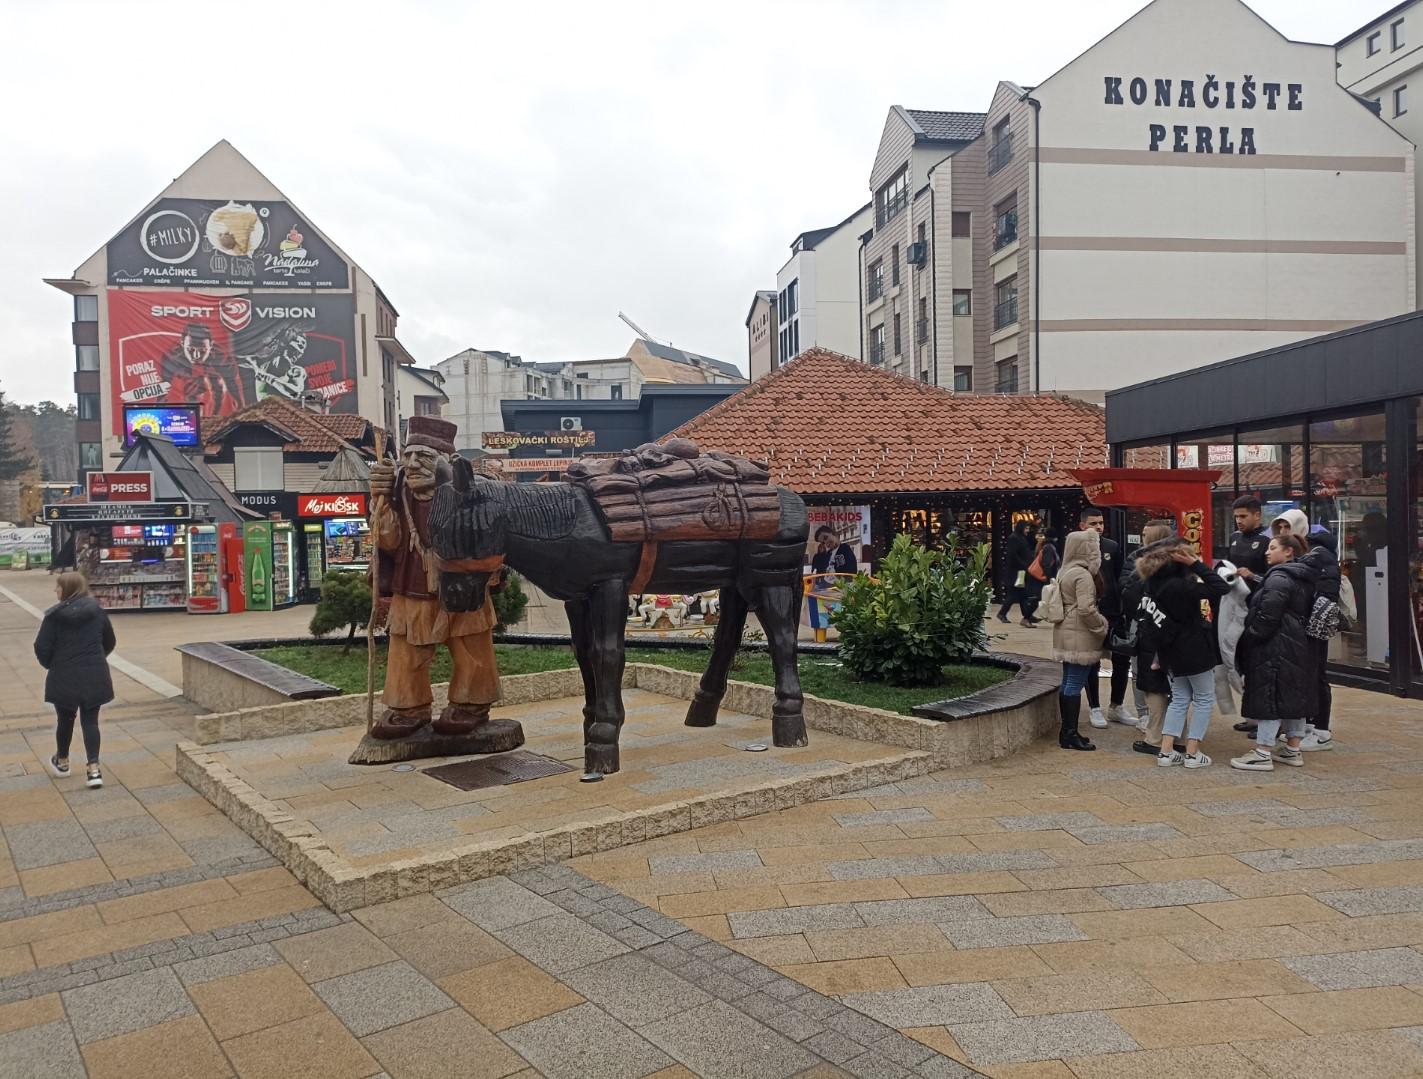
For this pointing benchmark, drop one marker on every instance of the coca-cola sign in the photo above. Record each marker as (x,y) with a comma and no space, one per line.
(344,505)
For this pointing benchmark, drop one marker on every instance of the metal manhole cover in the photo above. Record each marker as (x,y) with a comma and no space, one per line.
(497,771)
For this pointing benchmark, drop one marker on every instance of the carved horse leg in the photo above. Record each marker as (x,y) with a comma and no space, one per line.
(583,652)
(705,702)
(607,622)
(780,616)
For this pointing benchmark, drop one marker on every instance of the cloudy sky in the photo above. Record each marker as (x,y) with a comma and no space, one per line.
(511,175)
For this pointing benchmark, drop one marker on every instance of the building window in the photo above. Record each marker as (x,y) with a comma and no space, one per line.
(1005,310)
(898,340)
(617,392)
(1000,152)
(88,406)
(90,455)
(963,379)
(921,233)
(892,197)
(894,265)
(963,301)
(792,297)
(257,468)
(1007,376)
(579,394)
(795,338)
(874,287)
(877,344)
(963,223)
(1372,43)
(1400,100)
(86,357)
(1395,34)
(921,324)
(1005,223)
(86,309)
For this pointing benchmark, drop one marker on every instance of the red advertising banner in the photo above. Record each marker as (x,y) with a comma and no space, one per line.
(1184,492)
(351,505)
(119,486)
(224,353)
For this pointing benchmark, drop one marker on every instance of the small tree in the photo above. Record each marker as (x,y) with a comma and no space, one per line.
(924,610)
(15,459)
(345,601)
(509,602)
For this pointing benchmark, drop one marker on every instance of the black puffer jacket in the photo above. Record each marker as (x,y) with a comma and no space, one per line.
(1132,588)
(73,645)
(1111,602)
(1178,602)
(1275,656)
(1323,558)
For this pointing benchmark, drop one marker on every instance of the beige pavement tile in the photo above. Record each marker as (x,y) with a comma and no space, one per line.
(1254,885)
(939,1039)
(1380,874)
(249,908)
(1312,836)
(314,1047)
(970,965)
(847,976)
(1106,853)
(109,938)
(1091,991)
(697,904)
(1053,839)
(871,941)
(814,852)
(30,1013)
(402,915)
(908,848)
(1078,876)
(1029,1069)
(1133,953)
(1350,1009)
(1370,931)
(842,891)
(1208,1022)
(143,855)
(1059,901)
(1147,922)
(1207,866)
(649,889)
(1220,981)
(1261,942)
(1186,1062)
(446,947)
(16,960)
(776,951)
(254,1001)
(1375,1054)
(763,876)
(261,880)
(446,1045)
(508,992)
(329,953)
(179,1049)
(713,926)
(939,884)
(60,878)
(1274,910)
(56,923)
(31,807)
(164,900)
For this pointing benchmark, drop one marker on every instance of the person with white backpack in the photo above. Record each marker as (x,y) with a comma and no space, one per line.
(1078,628)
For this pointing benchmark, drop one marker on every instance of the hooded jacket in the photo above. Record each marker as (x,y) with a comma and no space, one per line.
(1230,619)
(1323,554)
(1133,588)
(1274,654)
(73,645)
(1078,637)
(1178,604)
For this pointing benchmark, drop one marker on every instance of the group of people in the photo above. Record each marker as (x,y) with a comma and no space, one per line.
(1190,636)
(1033,561)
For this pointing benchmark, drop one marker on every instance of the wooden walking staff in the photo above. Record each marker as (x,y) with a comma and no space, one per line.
(375,598)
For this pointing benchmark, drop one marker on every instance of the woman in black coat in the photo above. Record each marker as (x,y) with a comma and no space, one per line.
(73,645)
(1277,658)
(1019,557)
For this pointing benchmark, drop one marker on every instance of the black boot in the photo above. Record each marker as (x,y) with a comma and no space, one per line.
(1067,736)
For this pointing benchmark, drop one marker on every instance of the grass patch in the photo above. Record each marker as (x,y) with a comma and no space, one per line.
(821,675)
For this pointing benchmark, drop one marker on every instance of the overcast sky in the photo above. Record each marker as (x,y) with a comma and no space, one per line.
(511,175)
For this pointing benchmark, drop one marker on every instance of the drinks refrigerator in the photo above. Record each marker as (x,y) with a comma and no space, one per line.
(269,561)
(212,574)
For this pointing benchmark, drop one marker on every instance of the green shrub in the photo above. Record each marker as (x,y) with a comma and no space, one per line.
(345,601)
(924,610)
(509,602)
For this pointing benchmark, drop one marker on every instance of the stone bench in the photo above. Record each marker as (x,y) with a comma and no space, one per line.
(220,678)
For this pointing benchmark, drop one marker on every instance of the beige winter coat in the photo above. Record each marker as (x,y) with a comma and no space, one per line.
(1078,637)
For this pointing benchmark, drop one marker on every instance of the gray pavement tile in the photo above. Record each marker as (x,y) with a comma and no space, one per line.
(1043,822)
(560,942)
(379,997)
(1164,894)
(637,938)
(42,1052)
(872,1065)
(121,1006)
(1148,832)
(212,967)
(1386,850)
(1413,1034)
(48,842)
(1358,902)
(1359,970)
(658,923)
(667,954)
(937,909)
(791,1023)
(834,1046)
(635,990)
(1001,932)
(762,1007)
(932,1005)
(789,990)
(717,1042)
(497,903)
(168,792)
(584,1043)
(770,923)
(714,862)
(1269,809)
(992,861)
(937,1067)
(216,849)
(1042,1037)
(857,1025)
(571,901)
(882,816)
(106,831)
(903,1050)
(875,868)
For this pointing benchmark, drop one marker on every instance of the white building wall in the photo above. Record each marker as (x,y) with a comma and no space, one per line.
(837,287)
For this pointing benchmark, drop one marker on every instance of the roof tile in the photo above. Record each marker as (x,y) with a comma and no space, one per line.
(318,433)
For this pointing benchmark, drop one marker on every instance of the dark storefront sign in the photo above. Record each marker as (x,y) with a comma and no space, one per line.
(73,512)
(196,243)
(224,353)
(267,503)
(331,505)
(515,440)
(119,486)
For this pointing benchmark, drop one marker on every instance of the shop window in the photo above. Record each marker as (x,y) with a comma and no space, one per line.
(1271,467)
(86,309)
(86,357)
(258,468)
(90,455)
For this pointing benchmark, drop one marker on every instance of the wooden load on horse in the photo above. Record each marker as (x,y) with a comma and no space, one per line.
(673,491)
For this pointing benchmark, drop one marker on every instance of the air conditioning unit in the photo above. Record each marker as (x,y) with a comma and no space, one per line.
(570,423)
(918,253)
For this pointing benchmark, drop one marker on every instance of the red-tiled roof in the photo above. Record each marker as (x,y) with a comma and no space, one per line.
(317,433)
(828,424)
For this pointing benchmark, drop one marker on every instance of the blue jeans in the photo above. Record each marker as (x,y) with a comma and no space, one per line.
(1194,693)
(1074,677)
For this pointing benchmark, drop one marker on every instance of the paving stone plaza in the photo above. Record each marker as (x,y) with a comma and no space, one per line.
(1049,915)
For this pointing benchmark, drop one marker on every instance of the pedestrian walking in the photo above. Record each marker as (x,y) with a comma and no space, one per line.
(1041,570)
(1077,637)
(73,645)
(1149,677)
(1321,556)
(1276,659)
(1019,556)
(1177,606)
(1111,607)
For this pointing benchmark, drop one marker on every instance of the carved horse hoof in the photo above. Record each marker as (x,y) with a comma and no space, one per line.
(789,731)
(702,711)
(600,758)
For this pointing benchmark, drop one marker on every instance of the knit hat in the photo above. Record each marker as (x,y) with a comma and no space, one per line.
(433,432)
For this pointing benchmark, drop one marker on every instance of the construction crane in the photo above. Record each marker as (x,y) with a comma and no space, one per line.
(640,331)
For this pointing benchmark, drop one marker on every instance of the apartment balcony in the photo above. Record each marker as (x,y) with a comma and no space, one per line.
(875,289)
(877,354)
(1005,313)
(921,330)
(1006,231)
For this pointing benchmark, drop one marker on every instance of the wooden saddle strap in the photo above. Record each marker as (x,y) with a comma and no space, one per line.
(645,565)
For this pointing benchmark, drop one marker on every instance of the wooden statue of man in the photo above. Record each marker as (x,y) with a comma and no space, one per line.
(409,575)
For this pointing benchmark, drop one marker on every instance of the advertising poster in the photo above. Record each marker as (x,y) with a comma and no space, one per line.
(257,561)
(224,353)
(179,424)
(196,243)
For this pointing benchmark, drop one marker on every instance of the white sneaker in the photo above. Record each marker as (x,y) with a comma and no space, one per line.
(1285,755)
(1097,719)
(1118,713)
(1254,761)
(1167,760)
(1316,740)
(1197,760)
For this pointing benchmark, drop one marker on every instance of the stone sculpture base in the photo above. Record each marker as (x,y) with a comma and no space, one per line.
(496,736)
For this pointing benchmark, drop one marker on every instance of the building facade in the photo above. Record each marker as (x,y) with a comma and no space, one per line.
(419,392)
(219,294)
(762,338)
(1153,206)
(818,291)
